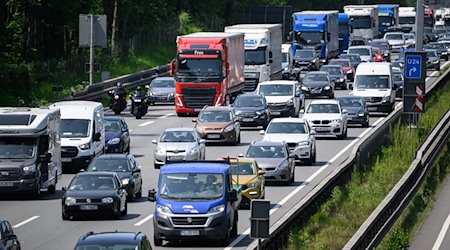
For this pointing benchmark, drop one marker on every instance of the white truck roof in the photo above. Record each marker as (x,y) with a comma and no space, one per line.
(76,109)
(253,26)
(18,121)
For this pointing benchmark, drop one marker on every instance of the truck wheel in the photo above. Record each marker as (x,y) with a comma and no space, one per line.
(224,242)
(234,230)
(158,242)
(36,192)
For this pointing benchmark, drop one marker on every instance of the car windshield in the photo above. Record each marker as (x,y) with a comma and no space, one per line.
(160,83)
(287,128)
(427,31)
(92,182)
(360,22)
(17,147)
(350,102)
(112,126)
(372,81)
(315,78)
(393,37)
(431,54)
(276,89)
(71,128)
(191,186)
(398,77)
(178,136)
(437,45)
(359,51)
(112,165)
(104,246)
(304,53)
(381,45)
(342,63)
(242,168)
(214,116)
(353,58)
(386,20)
(332,70)
(322,108)
(266,152)
(409,36)
(252,101)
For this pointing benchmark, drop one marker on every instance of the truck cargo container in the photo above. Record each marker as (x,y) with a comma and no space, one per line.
(388,16)
(363,20)
(344,32)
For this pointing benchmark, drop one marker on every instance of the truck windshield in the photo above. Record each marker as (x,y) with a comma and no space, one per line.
(191,186)
(71,128)
(361,22)
(407,20)
(307,38)
(17,148)
(199,70)
(276,90)
(372,81)
(393,37)
(386,20)
(255,56)
(428,21)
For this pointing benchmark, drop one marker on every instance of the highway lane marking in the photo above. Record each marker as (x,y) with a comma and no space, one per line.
(166,115)
(25,221)
(146,123)
(296,190)
(435,72)
(143,220)
(442,233)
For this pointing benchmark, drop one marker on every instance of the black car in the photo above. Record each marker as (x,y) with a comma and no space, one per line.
(306,59)
(117,135)
(94,193)
(440,48)
(357,109)
(8,240)
(113,240)
(318,84)
(252,110)
(429,35)
(337,75)
(384,47)
(355,59)
(433,61)
(127,169)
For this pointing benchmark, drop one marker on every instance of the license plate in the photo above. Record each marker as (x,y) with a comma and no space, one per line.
(88,207)
(275,112)
(372,108)
(316,91)
(189,232)
(321,129)
(213,136)
(175,158)
(197,110)
(66,159)
(137,100)
(247,119)
(6,184)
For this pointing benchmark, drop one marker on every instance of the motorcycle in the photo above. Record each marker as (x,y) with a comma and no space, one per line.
(117,102)
(139,105)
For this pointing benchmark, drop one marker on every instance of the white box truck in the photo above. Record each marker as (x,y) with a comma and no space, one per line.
(82,132)
(263,56)
(407,18)
(30,152)
(364,21)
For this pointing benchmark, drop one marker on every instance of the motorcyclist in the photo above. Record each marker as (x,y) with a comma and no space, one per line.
(121,92)
(137,94)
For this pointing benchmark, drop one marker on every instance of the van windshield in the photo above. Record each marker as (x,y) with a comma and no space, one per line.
(372,81)
(71,128)
(276,90)
(17,148)
(191,186)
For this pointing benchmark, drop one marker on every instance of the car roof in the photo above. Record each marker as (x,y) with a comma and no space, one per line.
(348,97)
(287,119)
(342,59)
(180,129)
(110,238)
(397,69)
(163,78)
(213,167)
(324,102)
(352,55)
(394,32)
(360,47)
(217,108)
(113,156)
(286,82)
(241,159)
(331,66)
(99,173)
(379,40)
(268,143)
(250,94)
(318,72)
(113,118)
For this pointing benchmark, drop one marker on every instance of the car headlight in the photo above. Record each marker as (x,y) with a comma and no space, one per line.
(385,99)
(194,151)
(436,61)
(217,209)
(171,94)
(304,88)
(125,181)
(314,61)
(284,165)
(114,141)
(401,64)
(107,200)
(229,128)
(151,94)
(238,112)
(70,201)
(260,112)
(85,146)
(286,68)
(29,168)
(341,79)
(163,209)
(159,150)
(290,102)
(327,87)
(444,53)
(336,121)
(116,97)
(199,130)
(303,143)
(349,71)
(252,185)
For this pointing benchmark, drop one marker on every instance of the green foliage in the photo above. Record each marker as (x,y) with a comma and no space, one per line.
(187,25)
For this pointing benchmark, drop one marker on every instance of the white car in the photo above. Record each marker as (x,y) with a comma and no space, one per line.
(284,98)
(327,118)
(396,40)
(178,144)
(296,133)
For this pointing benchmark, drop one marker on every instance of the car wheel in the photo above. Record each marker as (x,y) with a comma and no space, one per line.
(36,192)
(331,95)
(139,193)
(234,229)
(125,210)
(64,216)
(238,138)
(344,86)
(157,166)
(292,179)
(226,239)
(130,196)
(315,156)
(366,123)
(158,242)
(342,135)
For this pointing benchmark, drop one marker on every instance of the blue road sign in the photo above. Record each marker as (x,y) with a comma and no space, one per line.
(413,65)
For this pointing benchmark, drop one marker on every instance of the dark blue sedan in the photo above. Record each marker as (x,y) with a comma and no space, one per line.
(117,135)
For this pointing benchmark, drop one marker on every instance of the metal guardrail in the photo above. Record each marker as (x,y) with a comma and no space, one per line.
(367,146)
(97,90)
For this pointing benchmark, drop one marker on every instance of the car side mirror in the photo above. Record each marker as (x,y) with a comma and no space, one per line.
(297,94)
(194,120)
(302,111)
(344,111)
(137,170)
(232,196)
(202,141)
(261,172)
(270,61)
(262,132)
(64,189)
(97,136)
(236,119)
(11,237)
(240,155)
(154,141)
(147,86)
(151,195)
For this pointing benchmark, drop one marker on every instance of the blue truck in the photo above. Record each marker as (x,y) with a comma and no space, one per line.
(317,30)
(195,200)
(344,32)
(388,16)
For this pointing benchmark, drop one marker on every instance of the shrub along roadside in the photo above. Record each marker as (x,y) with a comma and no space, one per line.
(349,206)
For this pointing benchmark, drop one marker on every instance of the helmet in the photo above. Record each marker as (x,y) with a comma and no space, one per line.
(139,88)
(119,84)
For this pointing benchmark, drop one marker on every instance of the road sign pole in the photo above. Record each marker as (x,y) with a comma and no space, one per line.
(419,25)
(91,52)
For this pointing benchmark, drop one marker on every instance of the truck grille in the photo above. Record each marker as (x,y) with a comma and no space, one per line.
(9,174)
(197,221)
(250,85)
(197,98)
(69,152)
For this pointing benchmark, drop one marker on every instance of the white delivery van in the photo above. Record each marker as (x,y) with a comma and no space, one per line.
(374,82)
(82,132)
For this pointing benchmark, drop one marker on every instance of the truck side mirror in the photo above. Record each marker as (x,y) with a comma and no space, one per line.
(97,136)
(172,67)
(270,54)
(289,36)
(232,196)
(151,195)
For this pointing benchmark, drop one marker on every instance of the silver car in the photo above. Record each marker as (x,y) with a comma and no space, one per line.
(162,89)
(178,144)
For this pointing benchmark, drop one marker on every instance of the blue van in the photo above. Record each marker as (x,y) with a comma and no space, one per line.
(195,200)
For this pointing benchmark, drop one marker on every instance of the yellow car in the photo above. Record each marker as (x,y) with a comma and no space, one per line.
(247,174)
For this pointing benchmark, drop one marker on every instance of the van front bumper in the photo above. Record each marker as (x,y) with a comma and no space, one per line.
(19,185)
